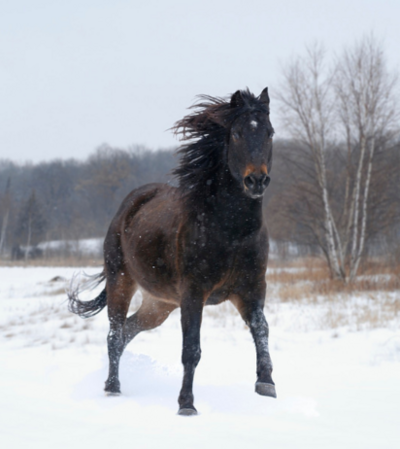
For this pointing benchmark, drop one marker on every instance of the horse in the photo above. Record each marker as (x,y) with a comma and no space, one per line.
(200,243)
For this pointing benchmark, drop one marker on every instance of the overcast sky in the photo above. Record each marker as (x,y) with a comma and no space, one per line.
(75,74)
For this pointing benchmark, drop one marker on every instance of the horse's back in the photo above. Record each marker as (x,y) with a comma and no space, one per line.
(154,195)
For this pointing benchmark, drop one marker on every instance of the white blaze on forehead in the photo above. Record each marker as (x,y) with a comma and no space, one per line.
(254,124)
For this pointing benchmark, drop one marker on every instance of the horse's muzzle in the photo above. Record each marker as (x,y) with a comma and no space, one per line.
(255,185)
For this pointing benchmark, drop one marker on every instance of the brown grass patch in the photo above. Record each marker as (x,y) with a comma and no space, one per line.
(373,266)
(363,284)
(371,301)
(311,276)
(309,269)
(54,262)
(293,291)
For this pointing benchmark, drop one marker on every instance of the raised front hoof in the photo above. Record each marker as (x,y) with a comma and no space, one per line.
(265,389)
(187,412)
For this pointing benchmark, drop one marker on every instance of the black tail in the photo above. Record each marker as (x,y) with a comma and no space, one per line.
(87,309)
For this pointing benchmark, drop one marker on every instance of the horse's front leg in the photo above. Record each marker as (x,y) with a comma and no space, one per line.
(191,314)
(253,314)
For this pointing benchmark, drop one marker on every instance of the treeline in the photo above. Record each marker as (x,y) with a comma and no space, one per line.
(71,200)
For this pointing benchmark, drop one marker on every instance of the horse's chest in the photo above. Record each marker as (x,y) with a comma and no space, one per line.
(212,252)
(210,259)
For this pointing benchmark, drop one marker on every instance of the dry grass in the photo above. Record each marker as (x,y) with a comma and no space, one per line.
(54,262)
(303,274)
(289,292)
(55,292)
(363,284)
(372,301)
(311,276)
(376,265)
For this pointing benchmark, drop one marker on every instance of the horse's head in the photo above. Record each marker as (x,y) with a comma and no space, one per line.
(250,143)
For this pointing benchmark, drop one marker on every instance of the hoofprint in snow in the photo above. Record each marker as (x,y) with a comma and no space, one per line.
(337,386)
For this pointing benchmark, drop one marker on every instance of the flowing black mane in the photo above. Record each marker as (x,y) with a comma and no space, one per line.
(207,132)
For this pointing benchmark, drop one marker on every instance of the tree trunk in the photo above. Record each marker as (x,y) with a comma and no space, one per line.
(3,231)
(28,240)
(334,264)
(357,188)
(354,268)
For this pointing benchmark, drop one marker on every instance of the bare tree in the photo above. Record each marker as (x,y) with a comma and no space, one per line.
(32,223)
(367,111)
(5,204)
(307,111)
(355,99)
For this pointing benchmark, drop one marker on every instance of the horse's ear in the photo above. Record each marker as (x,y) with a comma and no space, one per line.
(237,100)
(264,97)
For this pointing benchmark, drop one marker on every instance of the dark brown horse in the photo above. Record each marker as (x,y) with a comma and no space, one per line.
(201,243)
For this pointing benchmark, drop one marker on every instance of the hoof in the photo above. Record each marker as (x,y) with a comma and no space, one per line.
(112,388)
(265,389)
(187,412)
(113,393)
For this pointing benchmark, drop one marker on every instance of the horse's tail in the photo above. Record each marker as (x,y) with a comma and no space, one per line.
(86,309)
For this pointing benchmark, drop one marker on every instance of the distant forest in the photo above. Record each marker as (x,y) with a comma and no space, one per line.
(70,199)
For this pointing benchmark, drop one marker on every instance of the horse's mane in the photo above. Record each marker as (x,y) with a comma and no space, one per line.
(206,131)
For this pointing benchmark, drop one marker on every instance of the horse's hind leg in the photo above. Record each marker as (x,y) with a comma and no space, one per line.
(151,314)
(120,289)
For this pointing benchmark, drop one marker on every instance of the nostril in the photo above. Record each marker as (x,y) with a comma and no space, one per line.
(266,181)
(250,181)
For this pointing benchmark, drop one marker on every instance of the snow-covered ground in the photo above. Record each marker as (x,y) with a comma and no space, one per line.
(84,246)
(338,382)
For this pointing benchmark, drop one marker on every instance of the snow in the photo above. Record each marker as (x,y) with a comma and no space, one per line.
(338,387)
(82,246)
